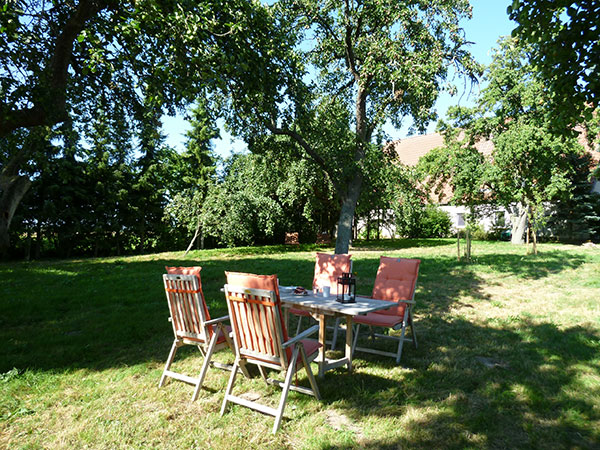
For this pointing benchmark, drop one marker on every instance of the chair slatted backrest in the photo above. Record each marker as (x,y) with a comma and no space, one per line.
(186,305)
(256,318)
(256,323)
(328,268)
(396,280)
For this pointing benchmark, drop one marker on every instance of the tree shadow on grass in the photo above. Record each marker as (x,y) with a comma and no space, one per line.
(105,313)
(537,395)
(398,244)
(97,314)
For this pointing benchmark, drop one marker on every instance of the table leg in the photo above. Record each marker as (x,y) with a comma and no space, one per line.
(322,336)
(286,318)
(349,342)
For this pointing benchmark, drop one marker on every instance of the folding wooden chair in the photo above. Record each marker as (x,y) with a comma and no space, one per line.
(261,338)
(396,282)
(327,270)
(192,324)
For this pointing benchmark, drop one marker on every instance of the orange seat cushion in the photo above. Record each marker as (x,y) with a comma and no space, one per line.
(310,347)
(220,337)
(376,319)
(299,312)
(252,281)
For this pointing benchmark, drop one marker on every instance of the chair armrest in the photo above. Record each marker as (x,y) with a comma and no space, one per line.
(217,320)
(299,337)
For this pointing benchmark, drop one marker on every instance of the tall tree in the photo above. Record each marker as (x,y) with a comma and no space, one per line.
(61,59)
(194,171)
(368,61)
(576,218)
(460,166)
(528,166)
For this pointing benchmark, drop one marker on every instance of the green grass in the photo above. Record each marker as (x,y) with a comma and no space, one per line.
(83,343)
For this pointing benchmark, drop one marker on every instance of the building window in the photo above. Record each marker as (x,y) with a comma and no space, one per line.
(460,220)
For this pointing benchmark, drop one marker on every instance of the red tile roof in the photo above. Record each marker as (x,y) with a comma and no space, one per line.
(410,149)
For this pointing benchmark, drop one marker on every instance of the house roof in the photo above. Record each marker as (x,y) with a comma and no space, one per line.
(411,149)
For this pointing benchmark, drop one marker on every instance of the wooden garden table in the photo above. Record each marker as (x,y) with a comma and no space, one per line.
(320,308)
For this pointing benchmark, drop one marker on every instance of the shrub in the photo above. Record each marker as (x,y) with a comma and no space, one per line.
(478,233)
(435,223)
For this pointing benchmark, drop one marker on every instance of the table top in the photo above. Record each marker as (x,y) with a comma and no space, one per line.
(329,305)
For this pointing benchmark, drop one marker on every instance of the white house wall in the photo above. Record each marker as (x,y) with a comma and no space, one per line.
(487,219)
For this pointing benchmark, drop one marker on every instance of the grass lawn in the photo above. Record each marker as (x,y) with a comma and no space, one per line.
(508,357)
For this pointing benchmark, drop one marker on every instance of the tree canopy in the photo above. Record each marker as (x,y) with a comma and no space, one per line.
(565,46)
(529,164)
(348,68)
(121,62)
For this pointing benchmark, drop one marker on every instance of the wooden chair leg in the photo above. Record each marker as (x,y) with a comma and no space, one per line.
(168,363)
(207,357)
(286,389)
(261,369)
(230,386)
(298,326)
(401,343)
(412,330)
(309,372)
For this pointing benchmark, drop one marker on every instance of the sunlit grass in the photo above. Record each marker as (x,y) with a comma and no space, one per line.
(84,342)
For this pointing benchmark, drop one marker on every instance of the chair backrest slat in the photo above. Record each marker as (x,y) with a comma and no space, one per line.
(257,324)
(186,306)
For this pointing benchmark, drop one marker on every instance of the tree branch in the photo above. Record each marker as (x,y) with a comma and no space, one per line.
(307,148)
(49,102)
(350,60)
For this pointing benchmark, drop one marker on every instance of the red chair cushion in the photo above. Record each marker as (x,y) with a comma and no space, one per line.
(396,280)
(252,281)
(191,271)
(310,346)
(220,337)
(328,268)
(299,312)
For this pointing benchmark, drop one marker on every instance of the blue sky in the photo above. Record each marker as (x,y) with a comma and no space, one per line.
(489,22)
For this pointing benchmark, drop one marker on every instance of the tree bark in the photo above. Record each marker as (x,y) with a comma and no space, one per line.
(519,224)
(467,244)
(12,189)
(344,229)
(187,250)
(354,186)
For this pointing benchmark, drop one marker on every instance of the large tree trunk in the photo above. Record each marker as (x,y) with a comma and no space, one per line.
(12,189)
(344,231)
(518,220)
(354,185)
